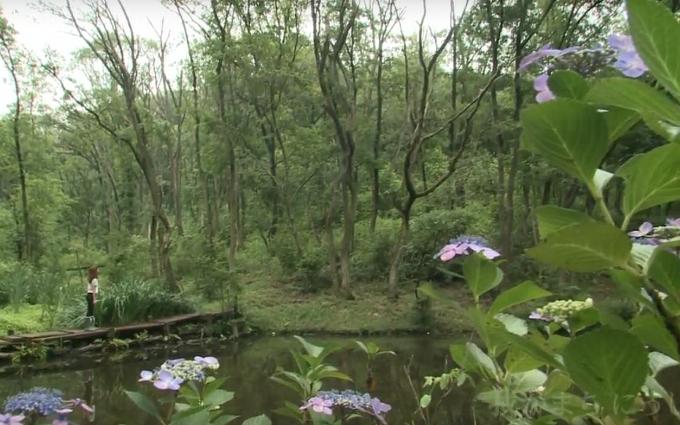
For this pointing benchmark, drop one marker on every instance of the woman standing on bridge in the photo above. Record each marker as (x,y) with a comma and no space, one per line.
(92,291)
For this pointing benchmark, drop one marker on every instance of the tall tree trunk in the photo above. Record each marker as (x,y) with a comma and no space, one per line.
(6,42)
(203,176)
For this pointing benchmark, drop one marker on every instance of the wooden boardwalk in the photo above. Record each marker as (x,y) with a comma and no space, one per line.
(61,336)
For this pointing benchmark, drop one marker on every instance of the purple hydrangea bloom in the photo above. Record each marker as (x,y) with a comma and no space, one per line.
(627,59)
(543,93)
(466,245)
(324,401)
(319,405)
(145,376)
(673,222)
(41,401)
(207,362)
(166,381)
(11,419)
(645,229)
(544,52)
(379,408)
(535,315)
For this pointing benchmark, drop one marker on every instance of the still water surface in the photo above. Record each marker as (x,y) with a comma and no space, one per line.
(248,364)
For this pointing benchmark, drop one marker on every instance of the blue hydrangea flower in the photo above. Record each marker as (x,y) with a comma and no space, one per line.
(627,59)
(38,400)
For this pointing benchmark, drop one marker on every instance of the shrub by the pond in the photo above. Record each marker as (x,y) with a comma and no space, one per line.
(137,300)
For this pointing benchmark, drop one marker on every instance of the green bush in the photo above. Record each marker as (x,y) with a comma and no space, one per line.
(310,268)
(431,230)
(372,252)
(20,283)
(137,300)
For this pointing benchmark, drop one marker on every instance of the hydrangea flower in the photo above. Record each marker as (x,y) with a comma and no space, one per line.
(561,310)
(466,245)
(166,381)
(38,400)
(543,93)
(627,59)
(173,373)
(319,405)
(542,53)
(324,401)
(207,362)
(11,419)
(648,234)
(645,229)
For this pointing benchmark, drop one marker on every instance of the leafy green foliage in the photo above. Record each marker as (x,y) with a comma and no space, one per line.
(549,130)
(138,300)
(481,275)
(596,362)
(655,32)
(584,247)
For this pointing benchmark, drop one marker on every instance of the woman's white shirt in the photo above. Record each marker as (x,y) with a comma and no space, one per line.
(93,286)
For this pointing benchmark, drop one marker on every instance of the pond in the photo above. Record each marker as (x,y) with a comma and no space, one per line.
(248,364)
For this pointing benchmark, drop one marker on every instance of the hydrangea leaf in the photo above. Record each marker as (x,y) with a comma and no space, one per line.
(652,178)
(596,360)
(525,291)
(481,274)
(144,403)
(568,84)
(656,32)
(635,96)
(664,269)
(258,420)
(651,331)
(619,121)
(584,247)
(568,134)
(552,218)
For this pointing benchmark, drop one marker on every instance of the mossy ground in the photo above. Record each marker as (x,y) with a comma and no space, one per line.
(281,307)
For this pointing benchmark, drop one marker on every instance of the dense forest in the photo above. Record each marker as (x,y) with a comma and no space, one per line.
(315,141)
(491,210)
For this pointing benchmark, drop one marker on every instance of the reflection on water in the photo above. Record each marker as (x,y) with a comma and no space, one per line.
(248,364)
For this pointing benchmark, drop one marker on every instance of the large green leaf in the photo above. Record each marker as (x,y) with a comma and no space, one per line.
(528,381)
(635,96)
(619,121)
(258,420)
(481,274)
(664,269)
(652,178)
(568,134)
(311,349)
(651,331)
(568,84)
(483,361)
(194,416)
(218,397)
(611,365)
(552,219)
(585,247)
(513,324)
(525,291)
(144,403)
(656,32)
(532,349)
